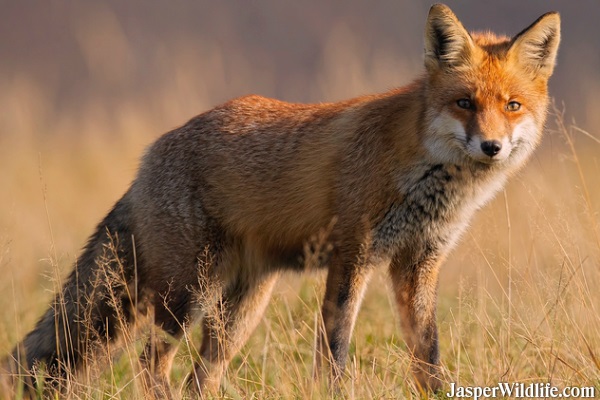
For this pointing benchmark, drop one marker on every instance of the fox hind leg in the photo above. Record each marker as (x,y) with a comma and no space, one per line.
(227,326)
(170,316)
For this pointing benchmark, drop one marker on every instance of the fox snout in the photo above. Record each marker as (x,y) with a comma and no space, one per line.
(496,145)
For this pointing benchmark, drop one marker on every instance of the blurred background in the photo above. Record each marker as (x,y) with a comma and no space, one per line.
(85,86)
(66,65)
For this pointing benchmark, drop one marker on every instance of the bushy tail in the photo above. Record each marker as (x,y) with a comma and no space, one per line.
(92,306)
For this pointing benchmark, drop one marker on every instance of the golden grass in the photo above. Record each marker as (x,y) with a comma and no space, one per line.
(518,298)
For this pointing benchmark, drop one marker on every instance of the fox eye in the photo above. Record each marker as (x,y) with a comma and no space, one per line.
(465,104)
(513,106)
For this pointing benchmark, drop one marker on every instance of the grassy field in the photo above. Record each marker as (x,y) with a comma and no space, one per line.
(518,297)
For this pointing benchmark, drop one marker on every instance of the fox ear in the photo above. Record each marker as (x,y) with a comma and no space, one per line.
(535,47)
(447,43)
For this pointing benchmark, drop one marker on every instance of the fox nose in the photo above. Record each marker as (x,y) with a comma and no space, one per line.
(491,147)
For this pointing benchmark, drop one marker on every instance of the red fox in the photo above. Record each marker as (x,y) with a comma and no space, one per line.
(237,195)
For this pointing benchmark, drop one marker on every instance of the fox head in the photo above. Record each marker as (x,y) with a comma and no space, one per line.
(486,95)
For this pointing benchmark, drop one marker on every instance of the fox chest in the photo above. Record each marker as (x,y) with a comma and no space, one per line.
(436,207)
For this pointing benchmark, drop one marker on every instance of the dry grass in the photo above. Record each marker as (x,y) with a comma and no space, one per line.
(518,298)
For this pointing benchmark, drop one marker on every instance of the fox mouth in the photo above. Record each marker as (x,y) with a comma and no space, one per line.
(485,159)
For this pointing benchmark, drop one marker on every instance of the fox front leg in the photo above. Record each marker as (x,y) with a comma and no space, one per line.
(346,284)
(415,285)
